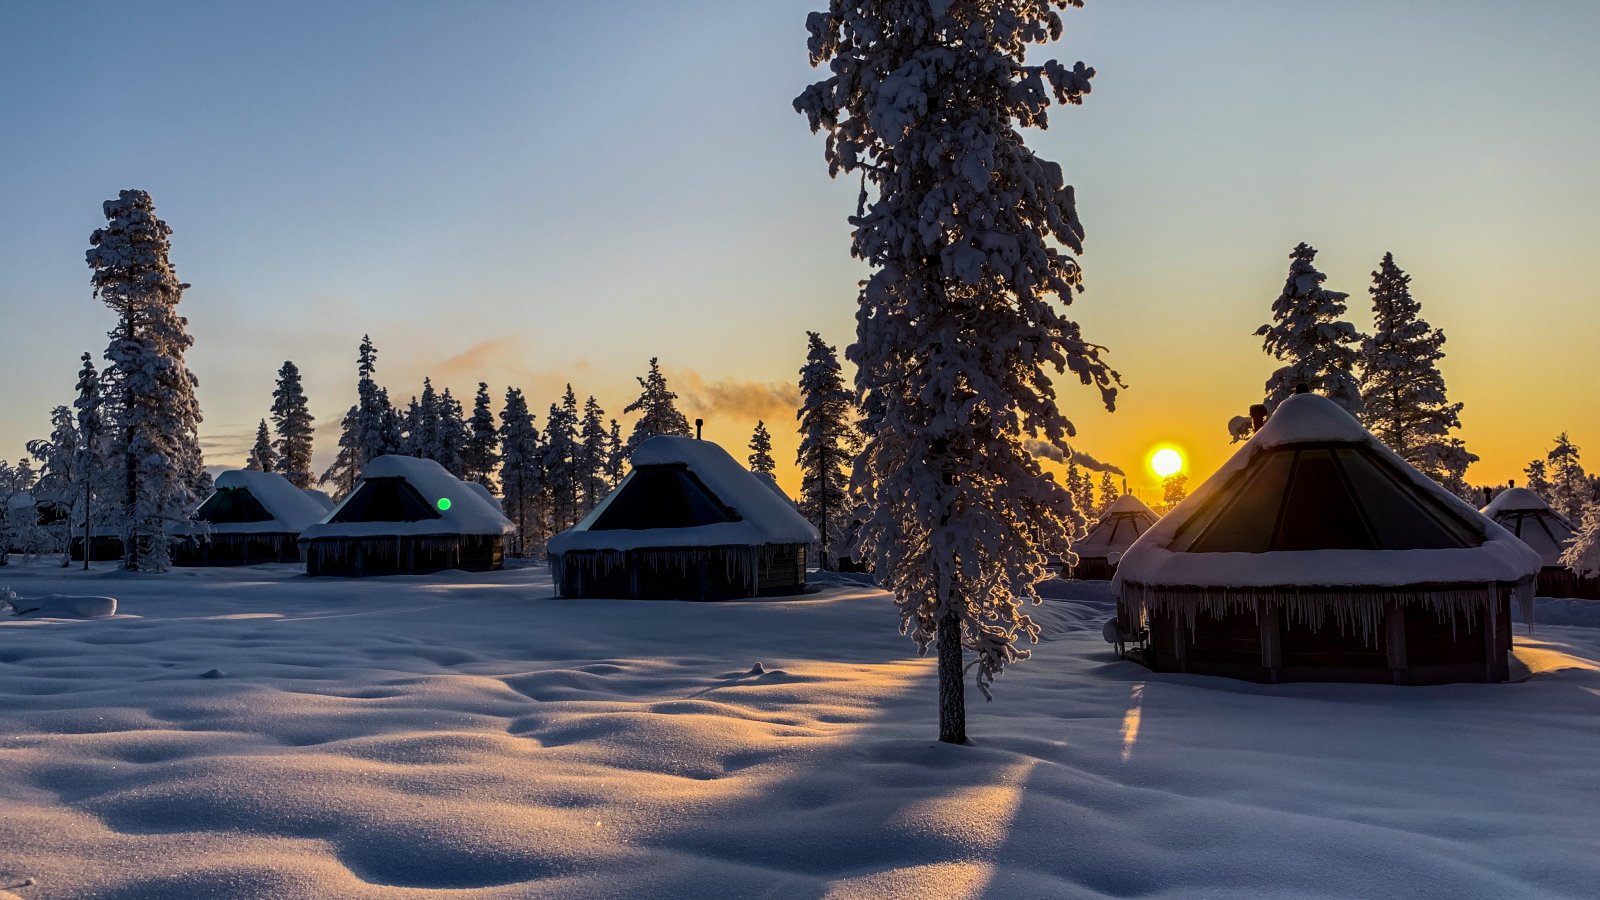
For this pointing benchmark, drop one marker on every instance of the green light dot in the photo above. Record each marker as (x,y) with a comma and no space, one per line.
(444,503)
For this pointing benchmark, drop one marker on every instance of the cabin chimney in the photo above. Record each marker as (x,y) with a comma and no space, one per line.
(1302,388)
(1511,483)
(699,425)
(1488,495)
(1258,416)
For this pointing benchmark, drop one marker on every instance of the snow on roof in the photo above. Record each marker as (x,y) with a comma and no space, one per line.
(483,492)
(1310,419)
(291,510)
(321,498)
(1515,499)
(772,485)
(1120,525)
(468,511)
(1526,515)
(764,516)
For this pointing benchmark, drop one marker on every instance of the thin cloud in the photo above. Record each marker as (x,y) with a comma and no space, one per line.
(1047,450)
(735,399)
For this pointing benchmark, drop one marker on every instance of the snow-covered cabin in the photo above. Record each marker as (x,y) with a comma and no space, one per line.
(1315,554)
(1526,515)
(408,516)
(690,523)
(1120,525)
(250,517)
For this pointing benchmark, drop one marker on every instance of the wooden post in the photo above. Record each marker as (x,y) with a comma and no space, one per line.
(1272,642)
(1394,633)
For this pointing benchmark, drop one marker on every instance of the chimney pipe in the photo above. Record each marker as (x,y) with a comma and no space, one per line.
(1488,495)
(1511,483)
(1258,416)
(1302,388)
(699,425)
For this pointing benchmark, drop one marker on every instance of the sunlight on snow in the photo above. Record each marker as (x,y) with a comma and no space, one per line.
(1130,720)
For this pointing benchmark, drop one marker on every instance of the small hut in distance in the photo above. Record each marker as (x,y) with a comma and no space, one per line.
(688,523)
(251,517)
(1101,549)
(1526,515)
(408,516)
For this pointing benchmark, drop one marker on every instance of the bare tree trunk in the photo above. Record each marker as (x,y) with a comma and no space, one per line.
(88,498)
(952,686)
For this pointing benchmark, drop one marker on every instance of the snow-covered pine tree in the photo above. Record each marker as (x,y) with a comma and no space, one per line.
(1174,488)
(969,237)
(1570,491)
(761,461)
(1583,554)
(521,479)
(1306,332)
(451,443)
(657,408)
(829,442)
(155,416)
(1108,493)
(92,453)
(561,460)
(593,456)
(262,457)
(54,493)
(1538,479)
(1402,389)
(424,432)
(482,453)
(616,455)
(292,420)
(1081,486)
(371,428)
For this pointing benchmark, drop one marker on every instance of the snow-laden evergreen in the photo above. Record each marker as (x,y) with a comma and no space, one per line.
(262,457)
(1583,554)
(560,459)
(1306,332)
(1570,490)
(370,429)
(970,238)
(1081,486)
(760,459)
(594,457)
(481,456)
(1108,493)
(154,414)
(450,441)
(829,442)
(294,424)
(56,488)
(657,408)
(1538,478)
(521,474)
(94,448)
(616,454)
(1402,389)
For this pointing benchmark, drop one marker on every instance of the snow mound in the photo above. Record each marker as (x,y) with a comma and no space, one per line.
(61,606)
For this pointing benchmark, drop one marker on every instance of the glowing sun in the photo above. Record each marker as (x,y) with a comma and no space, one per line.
(1166,462)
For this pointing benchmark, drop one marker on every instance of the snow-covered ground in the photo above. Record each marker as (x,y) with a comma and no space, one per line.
(470,736)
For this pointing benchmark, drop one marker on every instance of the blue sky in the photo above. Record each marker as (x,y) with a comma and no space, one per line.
(531,193)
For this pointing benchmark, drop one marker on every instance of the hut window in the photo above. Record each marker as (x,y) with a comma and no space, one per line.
(385,500)
(1320,513)
(1243,522)
(230,505)
(1402,517)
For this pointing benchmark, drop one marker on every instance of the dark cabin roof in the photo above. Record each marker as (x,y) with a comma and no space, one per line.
(663,496)
(232,505)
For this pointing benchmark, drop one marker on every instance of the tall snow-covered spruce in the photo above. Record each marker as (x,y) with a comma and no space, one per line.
(154,414)
(262,457)
(761,461)
(829,442)
(657,408)
(1402,389)
(971,238)
(482,453)
(371,428)
(93,452)
(292,420)
(1306,333)
(521,473)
